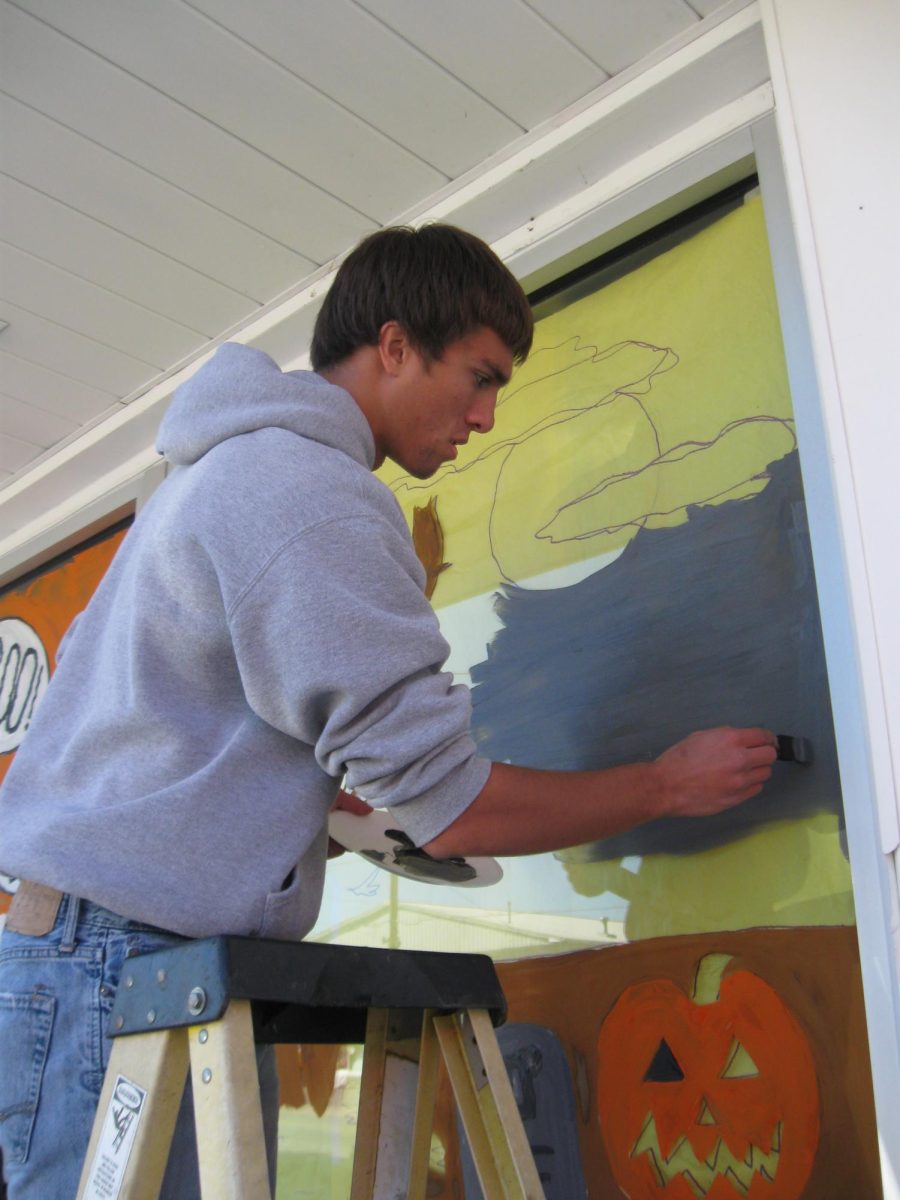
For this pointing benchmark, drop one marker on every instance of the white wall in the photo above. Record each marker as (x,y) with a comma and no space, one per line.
(837,84)
(834,69)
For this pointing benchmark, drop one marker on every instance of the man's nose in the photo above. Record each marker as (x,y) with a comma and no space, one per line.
(481,414)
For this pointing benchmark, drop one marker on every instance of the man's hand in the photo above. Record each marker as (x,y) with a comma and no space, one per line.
(715,769)
(523,811)
(348,803)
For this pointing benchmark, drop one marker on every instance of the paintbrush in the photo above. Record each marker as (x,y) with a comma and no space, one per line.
(794,749)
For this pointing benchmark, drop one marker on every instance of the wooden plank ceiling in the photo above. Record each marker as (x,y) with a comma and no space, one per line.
(169,167)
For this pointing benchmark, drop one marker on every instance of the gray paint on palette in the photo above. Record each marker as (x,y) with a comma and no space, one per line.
(714,622)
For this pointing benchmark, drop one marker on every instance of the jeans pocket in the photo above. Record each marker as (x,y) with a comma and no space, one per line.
(26,1022)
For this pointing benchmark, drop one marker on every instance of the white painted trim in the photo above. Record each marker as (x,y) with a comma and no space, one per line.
(578,217)
(847,531)
(846,618)
(67,499)
(813,205)
(80,517)
(612,97)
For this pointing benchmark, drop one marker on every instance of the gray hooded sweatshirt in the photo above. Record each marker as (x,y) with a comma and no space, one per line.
(261,633)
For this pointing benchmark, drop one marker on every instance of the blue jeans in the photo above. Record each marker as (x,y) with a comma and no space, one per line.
(56,993)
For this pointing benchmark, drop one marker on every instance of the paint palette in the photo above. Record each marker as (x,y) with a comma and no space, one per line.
(378,838)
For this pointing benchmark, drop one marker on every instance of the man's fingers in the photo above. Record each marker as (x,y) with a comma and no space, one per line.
(715,769)
(348,802)
(759,776)
(761,756)
(753,736)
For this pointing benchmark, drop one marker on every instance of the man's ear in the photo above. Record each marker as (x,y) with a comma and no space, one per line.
(394,347)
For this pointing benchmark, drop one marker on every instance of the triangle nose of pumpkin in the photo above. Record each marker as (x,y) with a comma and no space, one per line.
(706,1132)
(705,1116)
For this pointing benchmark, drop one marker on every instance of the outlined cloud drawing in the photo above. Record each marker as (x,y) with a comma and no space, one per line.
(635,481)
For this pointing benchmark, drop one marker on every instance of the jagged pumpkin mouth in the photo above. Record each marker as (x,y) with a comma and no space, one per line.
(700,1173)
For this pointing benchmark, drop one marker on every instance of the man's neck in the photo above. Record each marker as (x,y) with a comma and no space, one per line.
(359,375)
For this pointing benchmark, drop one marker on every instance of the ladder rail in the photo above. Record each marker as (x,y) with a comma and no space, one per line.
(136,1116)
(231,1146)
(490,1116)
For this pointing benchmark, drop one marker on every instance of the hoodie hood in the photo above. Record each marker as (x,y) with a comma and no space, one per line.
(241,390)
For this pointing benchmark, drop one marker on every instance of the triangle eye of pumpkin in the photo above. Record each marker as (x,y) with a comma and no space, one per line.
(739,1064)
(664,1066)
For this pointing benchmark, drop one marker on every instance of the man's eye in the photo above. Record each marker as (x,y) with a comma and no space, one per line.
(482,380)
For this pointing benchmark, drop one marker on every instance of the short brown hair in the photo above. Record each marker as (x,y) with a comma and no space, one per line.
(437,281)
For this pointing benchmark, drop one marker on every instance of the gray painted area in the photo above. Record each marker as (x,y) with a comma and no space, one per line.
(714,622)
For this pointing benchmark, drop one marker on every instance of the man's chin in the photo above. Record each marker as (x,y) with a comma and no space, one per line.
(425,472)
(419,470)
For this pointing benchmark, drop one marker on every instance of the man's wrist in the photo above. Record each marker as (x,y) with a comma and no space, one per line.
(662,796)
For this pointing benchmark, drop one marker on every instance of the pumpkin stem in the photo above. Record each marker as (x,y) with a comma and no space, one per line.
(708,979)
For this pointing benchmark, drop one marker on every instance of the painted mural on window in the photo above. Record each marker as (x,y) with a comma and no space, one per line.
(34,615)
(623,559)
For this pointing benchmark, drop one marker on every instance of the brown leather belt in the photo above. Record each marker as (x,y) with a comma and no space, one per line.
(33,909)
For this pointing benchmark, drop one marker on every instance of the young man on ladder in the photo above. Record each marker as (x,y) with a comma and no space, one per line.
(261,635)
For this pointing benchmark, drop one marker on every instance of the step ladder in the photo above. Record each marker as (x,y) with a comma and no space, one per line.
(205,1003)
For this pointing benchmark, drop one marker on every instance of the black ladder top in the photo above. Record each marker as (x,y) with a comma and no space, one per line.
(300,991)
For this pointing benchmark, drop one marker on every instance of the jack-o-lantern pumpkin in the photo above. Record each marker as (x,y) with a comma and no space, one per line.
(713,1095)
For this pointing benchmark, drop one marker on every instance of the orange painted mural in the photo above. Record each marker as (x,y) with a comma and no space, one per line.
(35,612)
(713,1090)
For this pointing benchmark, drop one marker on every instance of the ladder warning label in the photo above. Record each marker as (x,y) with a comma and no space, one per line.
(120,1126)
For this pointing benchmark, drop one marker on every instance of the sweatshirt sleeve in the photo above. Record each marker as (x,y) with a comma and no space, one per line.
(337,646)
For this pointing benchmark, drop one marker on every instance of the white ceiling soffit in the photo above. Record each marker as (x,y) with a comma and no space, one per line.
(169,174)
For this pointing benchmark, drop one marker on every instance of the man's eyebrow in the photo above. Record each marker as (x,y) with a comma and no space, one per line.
(496,373)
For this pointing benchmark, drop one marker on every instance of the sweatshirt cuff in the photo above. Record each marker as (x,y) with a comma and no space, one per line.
(425,816)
